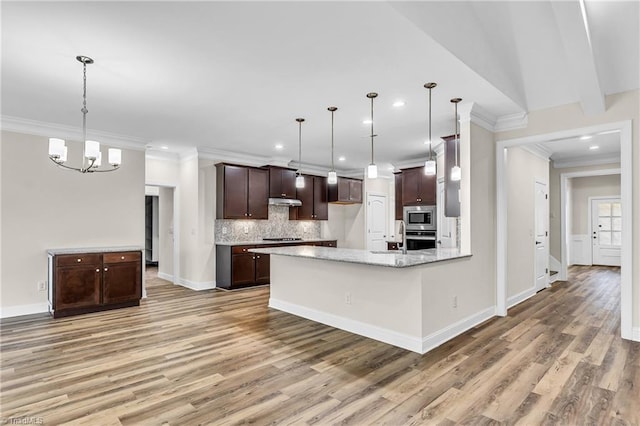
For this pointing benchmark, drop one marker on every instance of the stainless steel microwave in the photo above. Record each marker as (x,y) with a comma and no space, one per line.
(422,218)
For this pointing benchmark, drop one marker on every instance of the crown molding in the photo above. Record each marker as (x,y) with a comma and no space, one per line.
(538,150)
(162,156)
(586,161)
(511,122)
(41,128)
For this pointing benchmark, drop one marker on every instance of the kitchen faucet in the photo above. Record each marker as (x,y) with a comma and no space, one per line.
(404,237)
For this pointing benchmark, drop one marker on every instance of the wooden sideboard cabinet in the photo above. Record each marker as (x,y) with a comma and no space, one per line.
(82,282)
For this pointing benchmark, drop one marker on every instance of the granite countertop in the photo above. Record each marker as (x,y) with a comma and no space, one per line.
(394,258)
(262,242)
(78,250)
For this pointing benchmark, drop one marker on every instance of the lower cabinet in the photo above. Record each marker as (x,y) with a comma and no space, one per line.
(90,282)
(237,267)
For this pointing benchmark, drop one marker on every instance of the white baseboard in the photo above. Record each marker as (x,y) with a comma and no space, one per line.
(444,335)
(165,276)
(391,337)
(635,334)
(16,311)
(197,286)
(520,297)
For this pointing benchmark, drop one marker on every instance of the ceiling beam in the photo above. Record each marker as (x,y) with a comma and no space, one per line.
(572,23)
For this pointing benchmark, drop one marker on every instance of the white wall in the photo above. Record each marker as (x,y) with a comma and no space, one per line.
(523,169)
(619,107)
(165,256)
(45,207)
(585,187)
(554,202)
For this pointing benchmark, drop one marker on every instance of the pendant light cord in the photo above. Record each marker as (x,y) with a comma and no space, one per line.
(430,141)
(84,111)
(372,130)
(299,146)
(457,141)
(332,164)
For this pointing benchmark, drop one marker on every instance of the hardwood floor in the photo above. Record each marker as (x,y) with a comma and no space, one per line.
(216,357)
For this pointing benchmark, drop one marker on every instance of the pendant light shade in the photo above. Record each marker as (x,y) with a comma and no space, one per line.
(332,176)
(430,164)
(299,177)
(456,173)
(372,170)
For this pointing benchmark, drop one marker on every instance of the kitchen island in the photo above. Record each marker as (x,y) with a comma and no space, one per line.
(407,300)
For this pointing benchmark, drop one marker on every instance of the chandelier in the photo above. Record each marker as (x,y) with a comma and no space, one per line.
(92,158)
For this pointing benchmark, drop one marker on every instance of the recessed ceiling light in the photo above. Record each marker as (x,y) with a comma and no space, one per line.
(367,121)
(585,138)
(164,147)
(342,158)
(594,147)
(398,104)
(278,146)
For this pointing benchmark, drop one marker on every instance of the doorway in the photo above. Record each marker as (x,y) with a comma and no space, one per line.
(160,202)
(541,236)
(606,231)
(376,222)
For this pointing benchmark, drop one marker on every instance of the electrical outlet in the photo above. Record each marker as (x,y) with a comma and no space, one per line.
(455,301)
(246,229)
(224,230)
(42,286)
(347,298)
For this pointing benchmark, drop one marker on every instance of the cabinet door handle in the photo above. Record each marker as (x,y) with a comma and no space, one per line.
(257,257)
(79,260)
(283,195)
(254,258)
(106,269)
(249,214)
(98,270)
(122,257)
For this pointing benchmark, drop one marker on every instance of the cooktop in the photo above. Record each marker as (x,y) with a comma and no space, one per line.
(282,239)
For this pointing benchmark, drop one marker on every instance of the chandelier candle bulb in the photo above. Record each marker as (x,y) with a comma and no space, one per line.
(63,156)
(91,149)
(98,160)
(115,156)
(56,147)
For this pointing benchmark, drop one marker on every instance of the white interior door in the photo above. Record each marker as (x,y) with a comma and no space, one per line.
(376,222)
(541,236)
(446,225)
(606,231)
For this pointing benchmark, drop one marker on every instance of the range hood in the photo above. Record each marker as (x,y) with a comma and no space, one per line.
(289,202)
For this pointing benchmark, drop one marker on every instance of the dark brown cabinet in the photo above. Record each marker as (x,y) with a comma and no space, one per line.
(237,267)
(346,191)
(242,192)
(90,282)
(398,189)
(282,182)
(314,200)
(418,188)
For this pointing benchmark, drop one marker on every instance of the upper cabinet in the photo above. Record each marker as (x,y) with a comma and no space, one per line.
(418,188)
(282,182)
(242,192)
(346,191)
(314,200)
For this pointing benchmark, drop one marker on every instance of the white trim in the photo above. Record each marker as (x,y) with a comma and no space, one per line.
(626,196)
(20,310)
(162,156)
(586,161)
(515,121)
(635,334)
(197,286)
(166,277)
(385,335)
(520,297)
(445,334)
(538,151)
(42,128)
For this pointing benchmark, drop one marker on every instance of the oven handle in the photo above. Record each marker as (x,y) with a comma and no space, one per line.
(411,237)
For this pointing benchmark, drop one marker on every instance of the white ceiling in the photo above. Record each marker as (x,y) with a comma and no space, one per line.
(234,76)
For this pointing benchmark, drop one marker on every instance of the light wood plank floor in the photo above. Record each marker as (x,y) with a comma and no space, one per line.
(219,357)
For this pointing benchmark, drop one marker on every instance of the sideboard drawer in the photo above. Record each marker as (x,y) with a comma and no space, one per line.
(78,259)
(119,257)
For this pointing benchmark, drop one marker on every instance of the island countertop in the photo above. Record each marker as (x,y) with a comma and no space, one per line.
(377,258)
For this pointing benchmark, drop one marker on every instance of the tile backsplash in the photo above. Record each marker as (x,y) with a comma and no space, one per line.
(278,225)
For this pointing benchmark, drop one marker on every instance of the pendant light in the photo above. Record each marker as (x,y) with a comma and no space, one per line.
(332,177)
(299,177)
(430,164)
(372,170)
(456,173)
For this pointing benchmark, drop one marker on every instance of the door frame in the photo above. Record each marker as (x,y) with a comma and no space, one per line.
(366,220)
(626,198)
(176,228)
(590,201)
